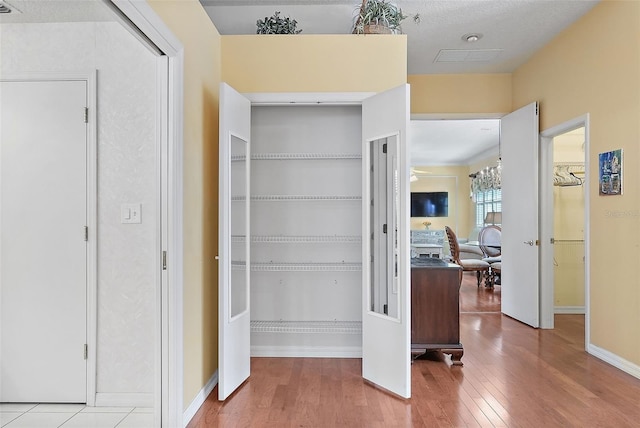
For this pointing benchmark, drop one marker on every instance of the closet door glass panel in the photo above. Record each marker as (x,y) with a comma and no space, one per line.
(238,303)
(383,295)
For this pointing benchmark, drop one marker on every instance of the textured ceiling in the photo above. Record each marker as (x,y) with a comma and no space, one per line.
(453,142)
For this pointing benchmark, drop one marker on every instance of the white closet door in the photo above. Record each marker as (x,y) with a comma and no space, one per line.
(234,241)
(386,334)
(43,253)
(520,247)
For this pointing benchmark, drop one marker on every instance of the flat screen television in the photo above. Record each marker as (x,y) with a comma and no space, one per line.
(429,204)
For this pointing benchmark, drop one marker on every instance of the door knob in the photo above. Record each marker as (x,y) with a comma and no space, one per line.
(529,242)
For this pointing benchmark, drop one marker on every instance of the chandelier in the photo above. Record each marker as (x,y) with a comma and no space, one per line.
(488,178)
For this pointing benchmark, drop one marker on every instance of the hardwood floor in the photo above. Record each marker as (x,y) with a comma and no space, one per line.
(513,376)
(478,299)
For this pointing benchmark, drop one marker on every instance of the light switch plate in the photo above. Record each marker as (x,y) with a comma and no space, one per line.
(130,213)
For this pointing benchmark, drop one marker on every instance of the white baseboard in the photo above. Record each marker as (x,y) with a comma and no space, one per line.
(124,399)
(307,351)
(615,360)
(578,310)
(199,399)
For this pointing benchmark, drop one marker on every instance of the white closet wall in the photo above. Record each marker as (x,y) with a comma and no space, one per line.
(306,221)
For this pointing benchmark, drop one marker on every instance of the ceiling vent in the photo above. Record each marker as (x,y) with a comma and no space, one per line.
(467,55)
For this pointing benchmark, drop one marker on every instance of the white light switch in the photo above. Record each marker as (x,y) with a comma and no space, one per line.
(130,213)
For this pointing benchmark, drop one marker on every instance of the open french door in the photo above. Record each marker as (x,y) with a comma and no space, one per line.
(234,241)
(386,329)
(520,245)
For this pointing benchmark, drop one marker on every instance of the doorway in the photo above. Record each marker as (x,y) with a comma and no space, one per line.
(564,225)
(445,151)
(568,213)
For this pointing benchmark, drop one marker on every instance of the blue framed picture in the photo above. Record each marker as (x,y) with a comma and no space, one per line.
(610,172)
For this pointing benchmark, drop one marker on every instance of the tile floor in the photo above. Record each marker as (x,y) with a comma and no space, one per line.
(33,415)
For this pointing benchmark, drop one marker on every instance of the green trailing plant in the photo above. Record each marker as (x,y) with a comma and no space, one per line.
(378,12)
(277,25)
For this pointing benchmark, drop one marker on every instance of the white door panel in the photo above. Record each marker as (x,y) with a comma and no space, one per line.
(386,333)
(234,238)
(520,250)
(42,247)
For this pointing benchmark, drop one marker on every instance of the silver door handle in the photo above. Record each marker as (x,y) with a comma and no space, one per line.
(529,242)
(217,257)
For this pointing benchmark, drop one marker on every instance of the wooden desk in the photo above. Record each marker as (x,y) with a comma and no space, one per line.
(435,308)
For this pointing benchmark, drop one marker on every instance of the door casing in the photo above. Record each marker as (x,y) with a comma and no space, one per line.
(546,222)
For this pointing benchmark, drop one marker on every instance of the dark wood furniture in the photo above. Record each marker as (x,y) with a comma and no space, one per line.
(435,308)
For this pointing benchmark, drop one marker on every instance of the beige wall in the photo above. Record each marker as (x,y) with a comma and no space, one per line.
(314,63)
(452,179)
(189,22)
(460,93)
(594,67)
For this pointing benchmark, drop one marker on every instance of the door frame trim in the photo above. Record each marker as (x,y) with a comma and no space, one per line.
(90,78)
(144,20)
(546,222)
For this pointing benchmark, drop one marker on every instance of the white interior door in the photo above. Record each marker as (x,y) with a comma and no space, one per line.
(43,265)
(234,238)
(520,245)
(386,334)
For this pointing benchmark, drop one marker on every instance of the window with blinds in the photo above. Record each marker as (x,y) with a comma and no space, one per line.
(487,201)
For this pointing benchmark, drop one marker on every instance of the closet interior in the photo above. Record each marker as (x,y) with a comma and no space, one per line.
(306,230)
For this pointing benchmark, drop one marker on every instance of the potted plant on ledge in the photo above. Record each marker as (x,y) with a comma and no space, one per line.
(378,17)
(276,25)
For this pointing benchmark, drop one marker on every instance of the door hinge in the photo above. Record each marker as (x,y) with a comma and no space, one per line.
(552,240)
(384,228)
(164,260)
(86,233)
(86,115)
(86,351)
(384,148)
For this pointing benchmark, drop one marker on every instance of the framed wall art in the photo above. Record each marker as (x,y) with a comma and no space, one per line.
(610,172)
